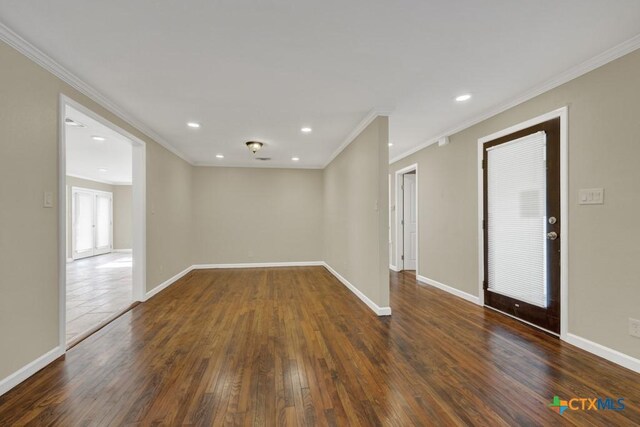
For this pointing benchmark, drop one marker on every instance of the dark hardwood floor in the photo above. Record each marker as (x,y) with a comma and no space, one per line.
(293,346)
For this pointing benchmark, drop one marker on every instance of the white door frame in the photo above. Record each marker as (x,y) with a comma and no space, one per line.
(94,193)
(139,209)
(563,114)
(399,263)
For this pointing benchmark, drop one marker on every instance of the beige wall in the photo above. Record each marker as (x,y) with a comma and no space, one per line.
(356,212)
(29,143)
(122,217)
(604,148)
(245,215)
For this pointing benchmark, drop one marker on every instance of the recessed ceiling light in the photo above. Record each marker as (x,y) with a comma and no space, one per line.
(102,169)
(295,159)
(305,130)
(220,156)
(99,138)
(464,97)
(391,144)
(193,125)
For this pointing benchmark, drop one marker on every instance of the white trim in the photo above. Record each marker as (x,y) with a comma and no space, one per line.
(164,285)
(447,288)
(380,311)
(139,208)
(394,268)
(45,61)
(102,181)
(259,265)
(69,260)
(370,117)
(28,370)
(123,251)
(605,352)
(399,213)
(597,61)
(563,114)
(63,211)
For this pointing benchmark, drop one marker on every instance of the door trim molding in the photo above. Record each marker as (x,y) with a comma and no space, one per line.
(399,213)
(138,206)
(563,114)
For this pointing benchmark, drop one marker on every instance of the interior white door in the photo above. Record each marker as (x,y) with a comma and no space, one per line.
(410,220)
(82,223)
(103,223)
(92,222)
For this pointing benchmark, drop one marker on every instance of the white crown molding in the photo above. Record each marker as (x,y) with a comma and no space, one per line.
(597,61)
(45,61)
(370,117)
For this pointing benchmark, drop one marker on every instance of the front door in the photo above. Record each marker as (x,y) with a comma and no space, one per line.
(522,224)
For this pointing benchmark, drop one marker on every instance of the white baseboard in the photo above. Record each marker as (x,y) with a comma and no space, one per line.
(162,286)
(26,371)
(380,311)
(393,268)
(123,251)
(605,352)
(259,265)
(471,298)
(69,260)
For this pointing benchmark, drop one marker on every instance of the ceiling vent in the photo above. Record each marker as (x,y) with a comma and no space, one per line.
(73,123)
(263,159)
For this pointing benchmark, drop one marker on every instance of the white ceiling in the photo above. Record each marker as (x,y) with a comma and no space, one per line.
(264,69)
(108,161)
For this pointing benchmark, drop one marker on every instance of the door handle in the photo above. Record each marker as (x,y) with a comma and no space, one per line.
(552,235)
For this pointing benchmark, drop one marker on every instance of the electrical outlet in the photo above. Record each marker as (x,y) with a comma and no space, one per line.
(634,327)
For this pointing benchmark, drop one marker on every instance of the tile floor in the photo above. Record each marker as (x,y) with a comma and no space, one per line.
(97,288)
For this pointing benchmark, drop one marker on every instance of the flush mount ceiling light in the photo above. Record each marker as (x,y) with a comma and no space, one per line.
(462,98)
(220,156)
(254,146)
(305,130)
(390,144)
(102,169)
(193,125)
(71,122)
(99,138)
(295,159)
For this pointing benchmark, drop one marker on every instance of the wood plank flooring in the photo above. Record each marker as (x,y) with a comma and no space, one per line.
(292,346)
(97,288)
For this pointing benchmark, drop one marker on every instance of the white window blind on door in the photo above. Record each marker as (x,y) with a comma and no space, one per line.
(516,203)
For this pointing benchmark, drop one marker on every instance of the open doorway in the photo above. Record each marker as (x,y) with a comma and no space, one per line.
(407,218)
(102,169)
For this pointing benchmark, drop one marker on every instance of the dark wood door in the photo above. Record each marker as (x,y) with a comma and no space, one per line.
(522,224)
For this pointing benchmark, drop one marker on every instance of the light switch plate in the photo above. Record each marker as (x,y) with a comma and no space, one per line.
(591,196)
(47,199)
(634,327)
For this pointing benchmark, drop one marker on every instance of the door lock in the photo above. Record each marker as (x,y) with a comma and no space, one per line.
(552,235)
(552,220)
